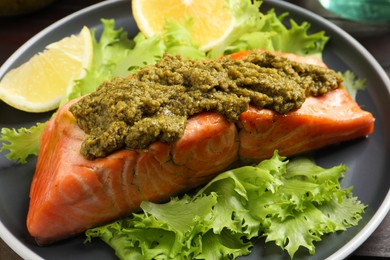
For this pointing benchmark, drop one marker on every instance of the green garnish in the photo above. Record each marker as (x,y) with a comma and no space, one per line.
(291,203)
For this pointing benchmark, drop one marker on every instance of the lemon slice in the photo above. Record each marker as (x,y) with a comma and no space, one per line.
(39,84)
(213,19)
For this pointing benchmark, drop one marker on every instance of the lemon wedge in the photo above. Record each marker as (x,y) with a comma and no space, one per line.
(213,19)
(39,84)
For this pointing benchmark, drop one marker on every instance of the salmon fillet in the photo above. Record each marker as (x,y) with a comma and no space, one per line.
(70,194)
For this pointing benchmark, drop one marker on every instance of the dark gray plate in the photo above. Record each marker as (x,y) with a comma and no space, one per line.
(368,159)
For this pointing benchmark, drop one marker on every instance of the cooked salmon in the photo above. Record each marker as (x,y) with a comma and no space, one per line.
(70,194)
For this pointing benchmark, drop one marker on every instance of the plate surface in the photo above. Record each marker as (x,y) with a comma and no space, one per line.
(366,158)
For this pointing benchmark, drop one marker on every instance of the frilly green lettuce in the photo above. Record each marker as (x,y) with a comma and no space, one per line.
(21,143)
(293,203)
(352,83)
(256,30)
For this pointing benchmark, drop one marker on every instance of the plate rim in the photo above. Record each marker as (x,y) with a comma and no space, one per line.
(347,249)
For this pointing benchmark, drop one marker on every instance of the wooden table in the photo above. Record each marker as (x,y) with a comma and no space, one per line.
(16,31)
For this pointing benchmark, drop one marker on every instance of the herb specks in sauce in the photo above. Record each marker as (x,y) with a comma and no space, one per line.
(155,103)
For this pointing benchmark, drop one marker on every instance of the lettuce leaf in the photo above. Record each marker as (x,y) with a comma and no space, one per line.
(256,30)
(21,143)
(178,41)
(352,83)
(296,38)
(292,203)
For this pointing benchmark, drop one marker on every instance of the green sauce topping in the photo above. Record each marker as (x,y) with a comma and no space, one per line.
(155,103)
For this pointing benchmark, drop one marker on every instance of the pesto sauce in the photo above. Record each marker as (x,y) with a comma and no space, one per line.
(155,103)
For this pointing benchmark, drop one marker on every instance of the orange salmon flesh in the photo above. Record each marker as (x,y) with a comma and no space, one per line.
(70,194)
